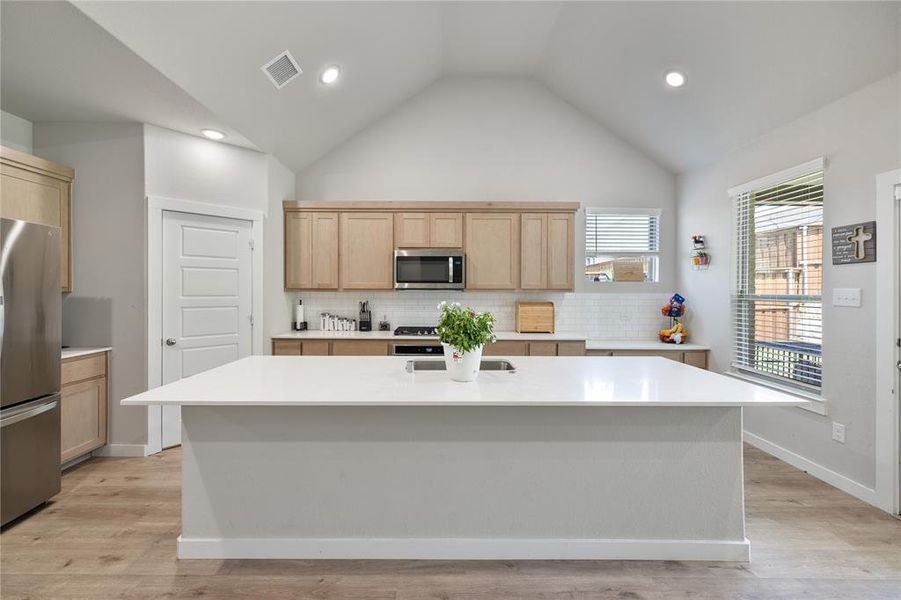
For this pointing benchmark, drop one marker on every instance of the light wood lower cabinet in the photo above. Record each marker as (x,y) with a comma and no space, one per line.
(695,358)
(83,405)
(38,191)
(345,347)
(367,251)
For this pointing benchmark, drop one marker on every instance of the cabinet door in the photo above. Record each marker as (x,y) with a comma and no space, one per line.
(695,359)
(37,198)
(325,251)
(446,230)
(533,252)
(286,347)
(560,242)
(492,251)
(411,230)
(298,251)
(82,417)
(367,251)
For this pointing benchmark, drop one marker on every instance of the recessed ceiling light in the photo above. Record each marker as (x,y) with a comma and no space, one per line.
(675,79)
(330,75)
(213,134)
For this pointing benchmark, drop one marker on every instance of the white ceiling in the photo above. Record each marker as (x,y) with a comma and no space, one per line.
(58,65)
(750,66)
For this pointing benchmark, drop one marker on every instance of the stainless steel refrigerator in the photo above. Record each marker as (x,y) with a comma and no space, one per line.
(30,343)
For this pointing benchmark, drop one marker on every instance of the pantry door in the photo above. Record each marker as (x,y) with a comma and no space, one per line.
(207,299)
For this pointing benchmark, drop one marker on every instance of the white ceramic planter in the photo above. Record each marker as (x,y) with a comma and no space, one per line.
(462,366)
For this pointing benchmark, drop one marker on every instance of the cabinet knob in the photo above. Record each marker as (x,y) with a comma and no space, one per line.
(170,342)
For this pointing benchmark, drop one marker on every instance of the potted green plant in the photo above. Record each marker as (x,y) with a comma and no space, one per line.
(463,332)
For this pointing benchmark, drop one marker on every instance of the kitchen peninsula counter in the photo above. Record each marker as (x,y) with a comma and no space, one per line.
(565,458)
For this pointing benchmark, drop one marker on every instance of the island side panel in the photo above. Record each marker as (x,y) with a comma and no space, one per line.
(462,482)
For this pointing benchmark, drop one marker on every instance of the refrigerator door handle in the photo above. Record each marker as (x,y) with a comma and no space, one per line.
(28,411)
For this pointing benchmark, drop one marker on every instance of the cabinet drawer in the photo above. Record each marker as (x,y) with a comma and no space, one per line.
(695,359)
(315,348)
(507,348)
(83,367)
(542,349)
(286,347)
(359,348)
(676,356)
(571,349)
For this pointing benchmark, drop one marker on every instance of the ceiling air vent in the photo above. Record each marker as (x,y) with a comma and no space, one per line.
(282,69)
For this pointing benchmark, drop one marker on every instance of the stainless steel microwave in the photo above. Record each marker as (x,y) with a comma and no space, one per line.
(429,269)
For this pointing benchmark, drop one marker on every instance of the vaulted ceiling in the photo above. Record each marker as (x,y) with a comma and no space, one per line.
(750,66)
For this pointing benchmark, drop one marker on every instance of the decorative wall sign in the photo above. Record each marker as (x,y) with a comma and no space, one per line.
(854,243)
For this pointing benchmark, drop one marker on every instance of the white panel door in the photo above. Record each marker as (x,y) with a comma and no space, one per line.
(207,300)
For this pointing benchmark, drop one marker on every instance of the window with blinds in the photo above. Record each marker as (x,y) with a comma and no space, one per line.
(621,245)
(777,298)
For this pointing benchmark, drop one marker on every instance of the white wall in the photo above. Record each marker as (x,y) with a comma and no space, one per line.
(116,166)
(277,305)
(860,136)
(107,304)
(187,167)
(16,132)
(496,139)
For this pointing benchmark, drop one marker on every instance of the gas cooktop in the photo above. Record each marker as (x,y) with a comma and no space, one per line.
(423,331)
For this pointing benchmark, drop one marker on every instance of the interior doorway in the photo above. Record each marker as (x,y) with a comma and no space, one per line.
(204,296)
(207,300)
(888,341)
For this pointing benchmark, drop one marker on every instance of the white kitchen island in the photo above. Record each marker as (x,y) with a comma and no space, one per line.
(565,458)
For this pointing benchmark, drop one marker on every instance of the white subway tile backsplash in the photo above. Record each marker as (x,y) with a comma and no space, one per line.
(597,316)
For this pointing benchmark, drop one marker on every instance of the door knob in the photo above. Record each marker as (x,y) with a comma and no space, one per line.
(170,342)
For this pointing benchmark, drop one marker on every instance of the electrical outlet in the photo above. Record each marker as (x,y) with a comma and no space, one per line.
(846,297)
(838,432)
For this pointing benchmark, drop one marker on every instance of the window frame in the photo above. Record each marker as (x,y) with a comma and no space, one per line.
(631,212)
(743,273)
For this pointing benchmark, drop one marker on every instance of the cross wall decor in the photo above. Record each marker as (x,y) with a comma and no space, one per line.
(854,243)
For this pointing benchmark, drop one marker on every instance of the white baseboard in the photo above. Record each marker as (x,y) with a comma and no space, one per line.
(123,450)
(463,549)
(822,473)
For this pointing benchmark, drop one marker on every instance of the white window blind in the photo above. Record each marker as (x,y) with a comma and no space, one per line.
(777,297)
(621,245)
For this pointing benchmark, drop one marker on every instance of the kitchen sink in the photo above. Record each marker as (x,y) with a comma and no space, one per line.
(438,365)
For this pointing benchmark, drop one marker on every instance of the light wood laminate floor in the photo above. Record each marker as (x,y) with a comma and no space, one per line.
(111,534)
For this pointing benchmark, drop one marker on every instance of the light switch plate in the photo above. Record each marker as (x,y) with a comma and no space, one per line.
(846,297)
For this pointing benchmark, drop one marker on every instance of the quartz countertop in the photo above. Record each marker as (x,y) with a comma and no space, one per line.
(317,334)
(383,381)
(75,352)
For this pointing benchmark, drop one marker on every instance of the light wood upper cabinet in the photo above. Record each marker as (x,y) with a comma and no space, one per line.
(311,251)
(533,257)
(446,230)
(298,251)
(38,191)
(411,230)
(492,251)
(428,230)
(367,251)
(560,247)
(547,251)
